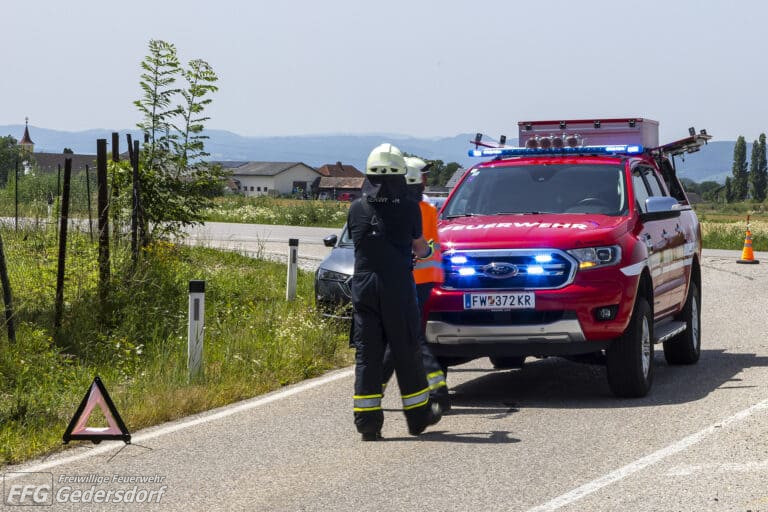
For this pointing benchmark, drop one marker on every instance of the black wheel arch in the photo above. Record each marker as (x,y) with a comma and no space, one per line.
(645,287)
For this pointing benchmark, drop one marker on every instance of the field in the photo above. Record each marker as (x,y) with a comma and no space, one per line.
(724,226)
(255,341)
(269,210)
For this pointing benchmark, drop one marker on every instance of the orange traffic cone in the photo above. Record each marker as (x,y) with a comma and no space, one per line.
(747,256)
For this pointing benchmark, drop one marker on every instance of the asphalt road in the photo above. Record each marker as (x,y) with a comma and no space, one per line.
(547,437)
(264,240)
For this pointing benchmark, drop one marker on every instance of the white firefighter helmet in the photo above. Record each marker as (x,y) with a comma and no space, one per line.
(415,166)
(385,160)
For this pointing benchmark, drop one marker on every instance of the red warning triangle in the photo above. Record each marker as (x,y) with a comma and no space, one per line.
(79,431)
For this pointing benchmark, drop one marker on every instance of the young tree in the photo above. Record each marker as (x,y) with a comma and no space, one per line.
(739,185)
(189,145)
(176,184)
(759,172)
(161,67)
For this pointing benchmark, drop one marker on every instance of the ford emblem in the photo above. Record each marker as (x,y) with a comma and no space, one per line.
(500,270)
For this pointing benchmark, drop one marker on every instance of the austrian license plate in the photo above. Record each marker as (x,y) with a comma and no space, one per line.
(518,300)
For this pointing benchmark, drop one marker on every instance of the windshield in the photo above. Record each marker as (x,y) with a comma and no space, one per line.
(345,238)
(556,188)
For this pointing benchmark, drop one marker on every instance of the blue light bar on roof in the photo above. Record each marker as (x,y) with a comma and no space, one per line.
(621,149)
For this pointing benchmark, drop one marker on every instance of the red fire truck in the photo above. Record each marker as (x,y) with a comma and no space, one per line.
(581,240)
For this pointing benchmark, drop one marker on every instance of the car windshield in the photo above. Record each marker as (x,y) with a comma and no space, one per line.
(345,238)
(543,188)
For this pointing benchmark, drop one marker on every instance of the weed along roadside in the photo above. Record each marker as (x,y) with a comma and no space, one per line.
(255,340)
(270,210)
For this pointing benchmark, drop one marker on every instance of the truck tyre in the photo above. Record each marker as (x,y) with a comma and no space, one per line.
(506,363)
(685,348)
(629,359)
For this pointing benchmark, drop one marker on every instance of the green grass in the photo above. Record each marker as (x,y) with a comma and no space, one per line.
(269,210)
(255,341)
(734,211)
(724,225)
(730,235)
(33,195)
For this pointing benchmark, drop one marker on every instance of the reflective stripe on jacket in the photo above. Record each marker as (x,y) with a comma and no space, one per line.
(429,270)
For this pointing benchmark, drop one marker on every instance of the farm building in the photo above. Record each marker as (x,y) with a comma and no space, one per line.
(271,178)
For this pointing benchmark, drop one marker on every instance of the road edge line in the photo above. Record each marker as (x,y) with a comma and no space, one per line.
(190,421)
(642,463)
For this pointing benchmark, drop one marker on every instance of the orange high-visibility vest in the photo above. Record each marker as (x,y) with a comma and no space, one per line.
(431,269)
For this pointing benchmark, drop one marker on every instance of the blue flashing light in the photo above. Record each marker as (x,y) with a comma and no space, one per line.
(458,260)
(623,149)
(467,271)
(543,258)
(535,270)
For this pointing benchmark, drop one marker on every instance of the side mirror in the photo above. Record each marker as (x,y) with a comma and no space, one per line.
(330,241)
(660,208)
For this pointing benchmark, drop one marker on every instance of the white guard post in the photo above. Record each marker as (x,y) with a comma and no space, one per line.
(293,262)
(195,332)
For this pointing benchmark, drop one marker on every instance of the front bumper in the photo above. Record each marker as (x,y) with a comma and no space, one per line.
(450,334)
(333,298)
(562,323)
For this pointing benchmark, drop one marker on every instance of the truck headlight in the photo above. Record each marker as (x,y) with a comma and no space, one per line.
(594,257)
(330,275)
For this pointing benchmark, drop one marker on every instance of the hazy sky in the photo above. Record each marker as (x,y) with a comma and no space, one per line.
(418,67)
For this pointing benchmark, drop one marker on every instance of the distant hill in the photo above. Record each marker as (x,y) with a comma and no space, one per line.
(713,162)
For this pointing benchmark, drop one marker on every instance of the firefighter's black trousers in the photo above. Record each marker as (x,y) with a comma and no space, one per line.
(386,314)
(435,374)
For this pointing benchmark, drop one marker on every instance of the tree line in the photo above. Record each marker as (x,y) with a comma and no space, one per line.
(748,181)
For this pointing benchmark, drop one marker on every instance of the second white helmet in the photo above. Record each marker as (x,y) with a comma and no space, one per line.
(385,160)
(415,166)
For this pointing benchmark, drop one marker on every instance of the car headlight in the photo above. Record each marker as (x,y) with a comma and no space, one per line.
(330,275)
(595,257)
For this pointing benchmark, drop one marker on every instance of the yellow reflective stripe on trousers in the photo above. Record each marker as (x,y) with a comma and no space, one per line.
(365,403)
(436,380)
(416,399)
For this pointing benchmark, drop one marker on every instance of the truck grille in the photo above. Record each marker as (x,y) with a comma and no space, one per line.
(508,269)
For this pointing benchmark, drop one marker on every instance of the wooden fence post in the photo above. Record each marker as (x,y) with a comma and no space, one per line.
(135,203)
(57,204)
(88,195)
(7,296)
(103,210)
(59,305)
(16,191)
(115,189)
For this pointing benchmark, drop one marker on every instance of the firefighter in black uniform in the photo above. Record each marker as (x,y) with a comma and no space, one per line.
(426,274)
(385,226)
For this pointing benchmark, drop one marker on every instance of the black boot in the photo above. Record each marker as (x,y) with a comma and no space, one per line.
(371,436)
(433,412)
(442,398)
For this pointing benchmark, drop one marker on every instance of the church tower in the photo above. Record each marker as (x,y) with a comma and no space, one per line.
(27,146)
